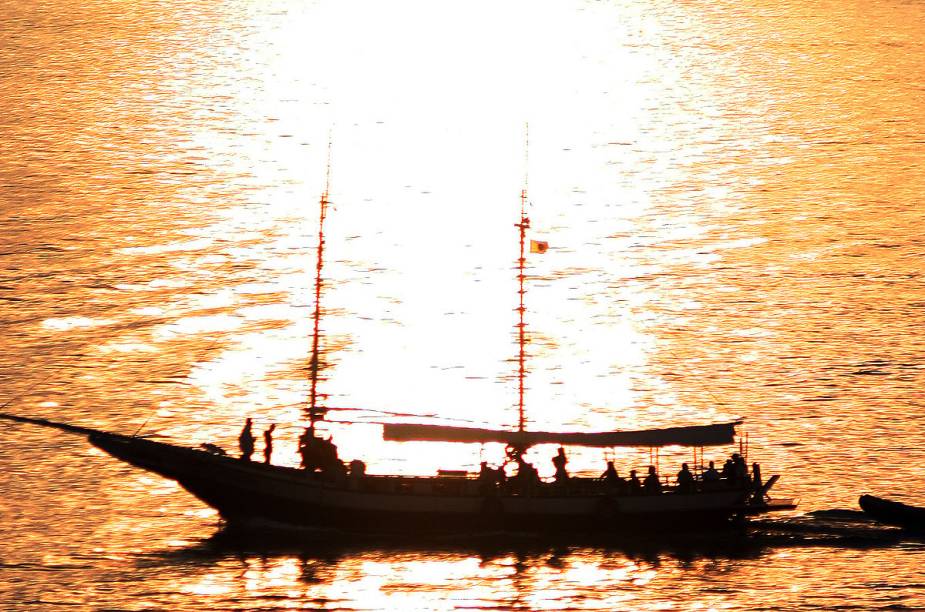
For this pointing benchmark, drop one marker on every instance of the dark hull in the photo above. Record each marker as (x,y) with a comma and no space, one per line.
(893,513)
(247,493)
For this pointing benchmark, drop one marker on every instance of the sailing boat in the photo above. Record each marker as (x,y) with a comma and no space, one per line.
(324,495)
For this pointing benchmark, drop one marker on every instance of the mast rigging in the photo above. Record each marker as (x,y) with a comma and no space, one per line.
(521,309)
(313,410)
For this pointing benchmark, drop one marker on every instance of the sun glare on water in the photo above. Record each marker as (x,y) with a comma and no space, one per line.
(423,113)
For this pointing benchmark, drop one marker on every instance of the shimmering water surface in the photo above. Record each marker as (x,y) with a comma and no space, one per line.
(731,192)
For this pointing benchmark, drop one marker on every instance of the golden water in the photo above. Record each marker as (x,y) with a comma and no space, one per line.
(731,194)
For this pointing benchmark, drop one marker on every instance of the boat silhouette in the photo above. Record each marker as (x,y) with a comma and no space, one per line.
(252,494)
(891,512)
(324,495)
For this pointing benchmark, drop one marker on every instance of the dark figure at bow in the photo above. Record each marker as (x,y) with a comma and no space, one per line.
(268,443)
(246,440)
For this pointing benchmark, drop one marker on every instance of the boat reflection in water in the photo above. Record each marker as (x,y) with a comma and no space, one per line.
(325,496)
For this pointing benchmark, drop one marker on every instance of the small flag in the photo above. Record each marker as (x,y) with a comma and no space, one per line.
(538,246)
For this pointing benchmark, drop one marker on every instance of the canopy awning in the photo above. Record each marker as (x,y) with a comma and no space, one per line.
(696,435)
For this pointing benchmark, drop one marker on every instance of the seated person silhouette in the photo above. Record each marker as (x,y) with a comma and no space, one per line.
(527,478)
(610,474)
(635,486)
(613,480)
(728,473)
(488,479)
(652,485)
(319,455)
(685,480)
(710,474)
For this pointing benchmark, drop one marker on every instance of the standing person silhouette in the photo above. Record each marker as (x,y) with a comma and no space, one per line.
(246,440)
(268,443)
(559,461)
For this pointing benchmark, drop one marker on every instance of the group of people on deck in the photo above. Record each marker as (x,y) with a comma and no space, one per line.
(318,455)
(734,473)
(246,441)
(525,478)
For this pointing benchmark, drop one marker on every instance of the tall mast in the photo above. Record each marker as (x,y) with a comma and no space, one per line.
(521,309)
(313,411)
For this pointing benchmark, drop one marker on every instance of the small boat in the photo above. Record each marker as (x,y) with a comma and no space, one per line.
(893,512)
(324,495)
